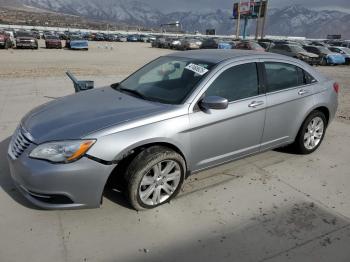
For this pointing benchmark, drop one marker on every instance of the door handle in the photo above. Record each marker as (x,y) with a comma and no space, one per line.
(255,104)
(302,92)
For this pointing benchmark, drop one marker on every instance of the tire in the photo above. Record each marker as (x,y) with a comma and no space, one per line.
(142,169)
(301,144)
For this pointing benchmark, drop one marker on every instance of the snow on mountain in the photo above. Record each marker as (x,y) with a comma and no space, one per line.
(294,20)
(300,21)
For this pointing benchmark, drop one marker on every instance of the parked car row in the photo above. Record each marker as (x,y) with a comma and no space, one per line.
(191,43)
(311,52)
(331,52)
(65,35)
(29,40)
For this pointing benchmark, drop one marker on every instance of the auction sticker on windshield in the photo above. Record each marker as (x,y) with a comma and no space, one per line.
(197,69)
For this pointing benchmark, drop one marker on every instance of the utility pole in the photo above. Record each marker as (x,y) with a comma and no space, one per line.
(258,20)
(264,20)
(245,27)
(238,20)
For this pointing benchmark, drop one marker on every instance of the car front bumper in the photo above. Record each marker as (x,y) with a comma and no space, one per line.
(53,45)
(26,44)
(60,186)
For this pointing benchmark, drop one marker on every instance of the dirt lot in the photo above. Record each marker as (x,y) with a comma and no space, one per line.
(273,206)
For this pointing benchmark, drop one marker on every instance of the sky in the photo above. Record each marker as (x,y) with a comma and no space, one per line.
(175,5)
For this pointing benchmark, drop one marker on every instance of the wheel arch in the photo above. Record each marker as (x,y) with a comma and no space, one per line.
(322,108)
(123,159)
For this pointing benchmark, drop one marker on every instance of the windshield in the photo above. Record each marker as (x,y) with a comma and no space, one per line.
(324,50)
(51,37)
(24,34)
(346,50)
(255,45)
(296,48)
(76,37)
(166,80)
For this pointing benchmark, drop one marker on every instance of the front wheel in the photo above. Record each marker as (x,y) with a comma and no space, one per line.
(155,176)
(311,133)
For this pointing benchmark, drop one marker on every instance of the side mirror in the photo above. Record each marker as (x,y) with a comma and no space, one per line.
(80,85)
(214,102)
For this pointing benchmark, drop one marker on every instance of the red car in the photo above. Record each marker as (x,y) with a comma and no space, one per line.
(52,41)
(249,45)
(5,40)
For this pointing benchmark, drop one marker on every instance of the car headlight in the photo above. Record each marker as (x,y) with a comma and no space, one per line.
(62,151)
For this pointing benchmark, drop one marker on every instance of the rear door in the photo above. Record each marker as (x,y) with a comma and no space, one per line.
(289,97)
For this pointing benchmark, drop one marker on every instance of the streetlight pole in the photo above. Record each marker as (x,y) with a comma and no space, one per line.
(238,20)
(258,20)
(264,20)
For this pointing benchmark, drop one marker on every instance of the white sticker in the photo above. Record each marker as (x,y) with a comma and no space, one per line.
(197,69)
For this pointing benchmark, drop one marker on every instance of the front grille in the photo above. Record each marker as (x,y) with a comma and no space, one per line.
(19,143)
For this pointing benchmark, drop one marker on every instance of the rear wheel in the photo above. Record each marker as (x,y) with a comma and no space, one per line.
(154,177)
(311,133)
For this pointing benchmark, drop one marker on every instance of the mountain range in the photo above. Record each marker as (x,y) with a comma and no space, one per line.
(294,20)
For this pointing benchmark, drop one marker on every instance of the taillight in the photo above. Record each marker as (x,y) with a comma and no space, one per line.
(336,87)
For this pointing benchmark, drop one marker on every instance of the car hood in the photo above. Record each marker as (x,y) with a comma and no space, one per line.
(78,115)
(312,55)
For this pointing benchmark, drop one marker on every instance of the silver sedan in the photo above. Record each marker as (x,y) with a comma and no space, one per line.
(176,116)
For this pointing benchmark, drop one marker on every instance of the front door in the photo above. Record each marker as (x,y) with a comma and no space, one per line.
(219,136)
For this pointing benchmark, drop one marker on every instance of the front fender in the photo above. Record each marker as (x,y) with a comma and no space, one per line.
(115,146)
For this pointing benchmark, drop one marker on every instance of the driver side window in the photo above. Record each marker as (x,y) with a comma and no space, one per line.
(237,82)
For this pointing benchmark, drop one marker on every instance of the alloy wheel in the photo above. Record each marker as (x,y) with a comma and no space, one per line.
(313,133)
(160,182)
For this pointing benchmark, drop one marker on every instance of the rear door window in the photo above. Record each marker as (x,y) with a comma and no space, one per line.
(282,76)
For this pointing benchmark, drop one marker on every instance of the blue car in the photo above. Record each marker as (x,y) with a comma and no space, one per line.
(76,42)
(344,51)
(224,45)
(326,55)
(133,38)
(334,59)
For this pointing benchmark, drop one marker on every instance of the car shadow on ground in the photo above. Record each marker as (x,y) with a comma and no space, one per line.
(300,231)
(6,182)
(117,197)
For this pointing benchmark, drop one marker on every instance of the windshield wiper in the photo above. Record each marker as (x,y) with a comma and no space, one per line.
(130,91)
(134,92)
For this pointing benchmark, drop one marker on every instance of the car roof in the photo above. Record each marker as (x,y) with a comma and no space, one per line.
(218,55)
